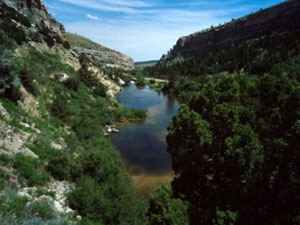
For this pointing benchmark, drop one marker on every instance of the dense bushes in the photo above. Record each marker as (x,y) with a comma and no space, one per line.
(240,135)
(165,209)
(9,81)
(13,31)
(31,170)
(20,211)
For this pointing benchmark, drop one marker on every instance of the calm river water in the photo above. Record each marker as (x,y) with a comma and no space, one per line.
(142,145)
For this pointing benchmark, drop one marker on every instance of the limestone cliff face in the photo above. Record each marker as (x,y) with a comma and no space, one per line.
(99,53)
(280,18)
(109,58)
(38,10)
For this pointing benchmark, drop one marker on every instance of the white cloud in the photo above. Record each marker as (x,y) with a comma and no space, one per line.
(92,17)
(142,31)
(131,3)
(147,36)
(124,6)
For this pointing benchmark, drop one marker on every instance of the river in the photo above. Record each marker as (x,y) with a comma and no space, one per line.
(143,145)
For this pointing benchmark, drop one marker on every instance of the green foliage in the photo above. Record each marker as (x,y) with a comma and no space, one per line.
(89,79)
(101,203)
(35,67)
(6,42)
(49,40)
(12,204)
(165,209)
(140,80)
(13,31)
(41,209)
(9,81)
(225,218)
(5,160)
(63,166)
(240,136)
(31,169)
(20,211)
(67,45)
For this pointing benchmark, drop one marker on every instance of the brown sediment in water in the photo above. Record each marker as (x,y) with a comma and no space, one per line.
(145,183)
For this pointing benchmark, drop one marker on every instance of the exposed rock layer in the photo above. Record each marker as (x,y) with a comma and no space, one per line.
(38,10)
(280,18)
(109,58)
(99,53)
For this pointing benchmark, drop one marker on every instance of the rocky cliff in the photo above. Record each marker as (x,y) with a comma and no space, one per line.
(99,53)
(280,18)
(37,9)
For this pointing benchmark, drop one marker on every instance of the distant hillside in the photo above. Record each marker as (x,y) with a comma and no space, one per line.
(83,42)
(145,63)
(277,19)
(99,53)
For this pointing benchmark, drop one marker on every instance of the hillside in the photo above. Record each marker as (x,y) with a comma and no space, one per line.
(141,65)
(99,53)
(281,18)
(56,164)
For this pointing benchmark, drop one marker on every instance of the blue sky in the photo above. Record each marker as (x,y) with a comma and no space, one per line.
(142,29)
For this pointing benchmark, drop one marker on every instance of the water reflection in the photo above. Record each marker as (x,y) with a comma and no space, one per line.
(143,146)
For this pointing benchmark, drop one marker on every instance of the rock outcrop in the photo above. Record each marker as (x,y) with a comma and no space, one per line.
(37,9)
(280,18)
(109,58)
(99,53)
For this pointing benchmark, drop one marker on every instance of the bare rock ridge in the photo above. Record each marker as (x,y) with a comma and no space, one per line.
(280,18)
(38,10)
(99,53)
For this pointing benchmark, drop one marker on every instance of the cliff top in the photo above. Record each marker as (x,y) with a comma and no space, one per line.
(83,42)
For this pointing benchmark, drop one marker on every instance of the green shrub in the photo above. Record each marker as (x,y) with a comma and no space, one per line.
(66,45)
(12,204)
(5,160)
(33,221)
(42,148)
(165,209)
(49,40)
(63,167)
(9,81)
(31,169)
(6,42)
(90,80)
(60,109)
(13,31)
(41,209)
(58,39)
(73,83)
(108,203)
(139,114)
(140,81)
(152,81)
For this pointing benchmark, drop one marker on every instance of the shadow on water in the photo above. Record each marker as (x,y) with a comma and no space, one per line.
(143,146)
